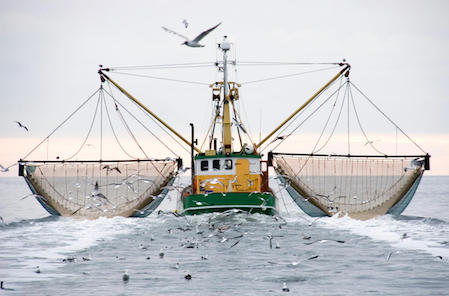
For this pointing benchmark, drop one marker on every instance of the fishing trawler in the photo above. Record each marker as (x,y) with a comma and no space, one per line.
(228,174)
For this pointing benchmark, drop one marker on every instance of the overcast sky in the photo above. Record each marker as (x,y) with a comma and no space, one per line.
(50,52)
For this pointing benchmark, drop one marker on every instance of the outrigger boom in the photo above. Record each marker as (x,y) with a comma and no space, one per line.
(104,76)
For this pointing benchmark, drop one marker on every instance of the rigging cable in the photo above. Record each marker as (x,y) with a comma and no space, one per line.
(298,115)
(349,135)
(162,66)
(311,114)
(65,120)
(135,118)
(287,75)
(237,116)
(157,123)
(115,135)
(130,132)
(360,125)
(90,128)
(249,63)
(294,119)
(162,78)
(391,121)
(101,123)
(335,126)
(329,117)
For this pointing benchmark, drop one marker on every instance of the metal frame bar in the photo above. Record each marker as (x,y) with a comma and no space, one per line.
(425,156)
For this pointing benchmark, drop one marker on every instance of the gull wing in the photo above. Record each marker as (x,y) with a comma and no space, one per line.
(201,36)
(173,32)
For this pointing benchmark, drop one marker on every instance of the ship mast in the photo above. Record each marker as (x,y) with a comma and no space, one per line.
(225,46)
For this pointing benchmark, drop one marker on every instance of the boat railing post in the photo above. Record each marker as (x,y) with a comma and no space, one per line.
(427,162)
(270,158)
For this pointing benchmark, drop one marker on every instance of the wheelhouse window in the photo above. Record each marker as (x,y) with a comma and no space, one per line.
(228,164)
(216,164)
(204,165)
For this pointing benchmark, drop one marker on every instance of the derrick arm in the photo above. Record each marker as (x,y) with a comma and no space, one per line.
(343,71)
(146,109)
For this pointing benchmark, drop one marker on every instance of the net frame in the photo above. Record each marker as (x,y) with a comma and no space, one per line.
(91,189)
(358,185)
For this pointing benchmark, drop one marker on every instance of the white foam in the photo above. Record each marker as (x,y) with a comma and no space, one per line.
(402,234)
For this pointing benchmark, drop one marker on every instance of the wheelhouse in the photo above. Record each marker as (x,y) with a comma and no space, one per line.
(230,173)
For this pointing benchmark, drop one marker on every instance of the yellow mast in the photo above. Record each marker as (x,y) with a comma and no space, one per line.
(227,137)
(147,110)
(305,104)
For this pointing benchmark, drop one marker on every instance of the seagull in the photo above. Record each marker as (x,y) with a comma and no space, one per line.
(390,254)
(125,276)
(279,138)
(3,169)
(97,193)
(21,125)
(371,142)
(4,288)
(233,245)
(194,42)
(186,24)
(212,181)
(326,240)
(108,169)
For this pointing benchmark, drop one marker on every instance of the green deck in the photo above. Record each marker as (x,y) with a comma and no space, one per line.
(256,202)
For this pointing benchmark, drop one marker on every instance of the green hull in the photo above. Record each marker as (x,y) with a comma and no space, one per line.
(264,203)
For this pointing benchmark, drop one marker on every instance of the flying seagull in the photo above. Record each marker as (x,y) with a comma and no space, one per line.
(194,42)
(279,138)
(21,125)
(109,168)
(3,169)
(239,125)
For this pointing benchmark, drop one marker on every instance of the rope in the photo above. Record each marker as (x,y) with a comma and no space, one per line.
(162,66)
(360,125)
(131,133)
(163,78)
(310,115)
(293,120)
(90,129)
(349,137)
(237,116)
(248,63)
(115,135)
(157,123)
(388,118)
(286,76)
(65,120)
(335,126)
(329,117)
(135,118)
(101,124)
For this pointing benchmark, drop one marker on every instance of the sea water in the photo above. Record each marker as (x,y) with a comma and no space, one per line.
(234,254)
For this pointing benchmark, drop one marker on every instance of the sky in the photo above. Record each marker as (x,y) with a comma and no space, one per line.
(50,52)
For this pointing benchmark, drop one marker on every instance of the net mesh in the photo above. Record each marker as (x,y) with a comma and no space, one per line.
(350,184)
(95,189)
